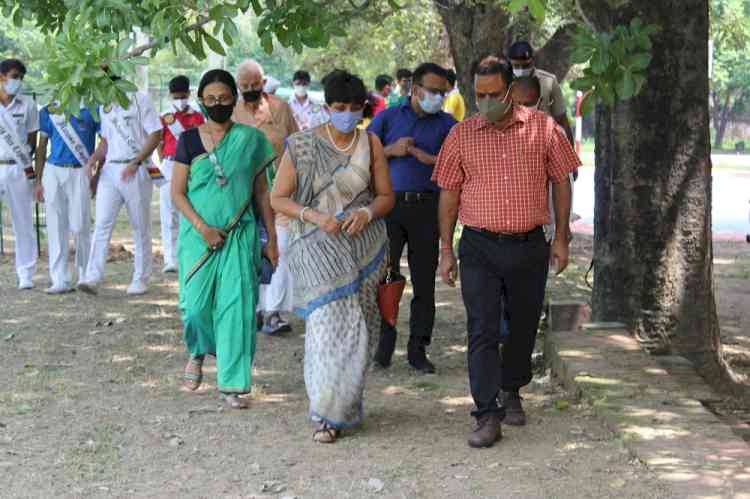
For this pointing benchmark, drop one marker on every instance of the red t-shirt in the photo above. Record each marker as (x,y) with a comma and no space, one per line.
(188,119)
(378,105)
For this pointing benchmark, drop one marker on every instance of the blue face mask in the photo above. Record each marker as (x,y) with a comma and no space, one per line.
(345,121)
(431,103)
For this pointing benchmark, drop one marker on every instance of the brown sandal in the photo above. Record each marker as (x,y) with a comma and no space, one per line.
(193,376)
(233,401)
(326,434)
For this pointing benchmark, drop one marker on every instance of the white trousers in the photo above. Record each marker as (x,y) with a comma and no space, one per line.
(16,191)
(111,194)
(68,209)
(169,217)
(278,296)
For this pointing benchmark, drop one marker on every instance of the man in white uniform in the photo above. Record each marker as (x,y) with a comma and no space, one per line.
(178,118)
(63,186)
(129,137)
(19,122)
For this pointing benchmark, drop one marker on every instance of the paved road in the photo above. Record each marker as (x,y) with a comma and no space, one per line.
(731,192)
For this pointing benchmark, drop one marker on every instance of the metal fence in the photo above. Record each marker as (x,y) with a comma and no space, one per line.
(40,224)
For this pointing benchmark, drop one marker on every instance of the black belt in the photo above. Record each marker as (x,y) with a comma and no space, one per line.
(66,165)
(503,236)
(413,197)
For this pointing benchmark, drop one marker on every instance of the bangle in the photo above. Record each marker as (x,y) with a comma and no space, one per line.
(446,247)
(369,213)
(302,214)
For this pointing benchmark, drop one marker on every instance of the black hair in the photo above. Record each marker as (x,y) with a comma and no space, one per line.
(487,66)
(429,68)
(369,110)
(381,81)
(217,76)
(451,76)
(528,84)
(301,75)
(9,65)
(342,86)
(521,50)
(402,73)
(179,84)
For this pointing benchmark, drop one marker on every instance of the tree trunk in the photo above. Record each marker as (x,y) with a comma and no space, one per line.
(653,251)
(476,29)
(721,120)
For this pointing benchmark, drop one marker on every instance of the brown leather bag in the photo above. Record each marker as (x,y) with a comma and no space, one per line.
(389,296)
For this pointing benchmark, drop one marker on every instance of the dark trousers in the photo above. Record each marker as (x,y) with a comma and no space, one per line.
(415,224)
(487,266)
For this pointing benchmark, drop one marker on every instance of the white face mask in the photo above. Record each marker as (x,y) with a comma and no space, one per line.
(300,90)
(180,104)
(521,72)
(12,86)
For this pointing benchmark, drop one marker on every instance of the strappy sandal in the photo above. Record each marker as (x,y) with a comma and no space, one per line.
(326,434)
(233,401)
(193,376)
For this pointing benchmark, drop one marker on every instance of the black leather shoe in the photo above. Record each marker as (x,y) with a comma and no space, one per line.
(417,355)
(386,346)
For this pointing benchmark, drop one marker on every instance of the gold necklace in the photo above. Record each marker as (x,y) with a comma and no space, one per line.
(351,144)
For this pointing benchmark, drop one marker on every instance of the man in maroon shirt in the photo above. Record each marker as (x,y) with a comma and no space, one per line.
(175,120)
(494,170)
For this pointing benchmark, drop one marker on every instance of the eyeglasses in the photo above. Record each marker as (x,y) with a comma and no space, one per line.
(212,101)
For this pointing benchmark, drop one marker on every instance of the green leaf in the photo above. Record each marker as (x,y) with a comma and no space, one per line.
(537,8)
(626,86)
(214,44)
(589,103)
(640,61)
(516,5)
(581,55)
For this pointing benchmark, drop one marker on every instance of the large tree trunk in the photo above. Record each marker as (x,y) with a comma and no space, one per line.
(477,28)
(652,225)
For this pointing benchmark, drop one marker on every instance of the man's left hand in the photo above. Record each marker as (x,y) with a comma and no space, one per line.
(560,253)
(271,251)
(130,170)
(421,156)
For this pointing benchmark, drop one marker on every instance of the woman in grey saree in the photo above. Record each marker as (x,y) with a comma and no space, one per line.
(333,184)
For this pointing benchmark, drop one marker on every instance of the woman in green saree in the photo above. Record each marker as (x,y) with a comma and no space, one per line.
(217,184)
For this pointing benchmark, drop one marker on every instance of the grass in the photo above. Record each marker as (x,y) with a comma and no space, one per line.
(97,454)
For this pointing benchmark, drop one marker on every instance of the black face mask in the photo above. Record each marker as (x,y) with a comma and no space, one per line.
(251,95)
(220,113)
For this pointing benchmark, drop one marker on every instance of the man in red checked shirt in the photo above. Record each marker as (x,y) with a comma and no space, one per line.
(178,118)
(494,170)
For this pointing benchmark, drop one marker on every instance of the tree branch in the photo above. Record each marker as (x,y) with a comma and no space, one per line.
(140,50)
(555,55)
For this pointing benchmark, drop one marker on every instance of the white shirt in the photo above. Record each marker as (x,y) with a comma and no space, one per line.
(308,114)
(26,116)
(137,121)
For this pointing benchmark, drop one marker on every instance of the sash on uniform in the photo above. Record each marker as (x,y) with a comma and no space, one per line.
(153,171)
(11,142)
(176,128)
(70,137)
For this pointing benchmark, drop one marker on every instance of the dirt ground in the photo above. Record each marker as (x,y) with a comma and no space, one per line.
(91,406)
